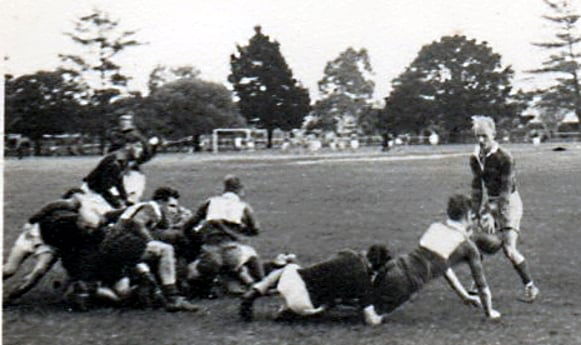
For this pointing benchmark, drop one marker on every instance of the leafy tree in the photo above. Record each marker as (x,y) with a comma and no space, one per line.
(42,103)
(161,75)
(449,81)
(102,41)
(265,87)
(189,107)
(564,62)
(346,89)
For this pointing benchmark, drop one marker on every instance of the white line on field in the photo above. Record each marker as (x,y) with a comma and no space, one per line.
(380,159)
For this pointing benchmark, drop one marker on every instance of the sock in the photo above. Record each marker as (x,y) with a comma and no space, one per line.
(523,272)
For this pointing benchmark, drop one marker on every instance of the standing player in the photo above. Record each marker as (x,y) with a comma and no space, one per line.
(494,189)
(218,226)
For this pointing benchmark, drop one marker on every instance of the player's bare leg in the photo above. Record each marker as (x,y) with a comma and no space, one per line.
(44,263)
(257,290)
(21,250)
(519,263)
(167,274)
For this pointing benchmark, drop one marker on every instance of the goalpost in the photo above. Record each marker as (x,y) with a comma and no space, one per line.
(238,139)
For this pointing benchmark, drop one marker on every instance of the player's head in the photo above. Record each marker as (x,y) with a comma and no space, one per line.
(167,198)
(378,255)
(459,208)
(233,184)
(484,129)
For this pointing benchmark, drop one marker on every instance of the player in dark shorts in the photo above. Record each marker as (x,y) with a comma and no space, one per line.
(441,247)
(343,278)
(389,283)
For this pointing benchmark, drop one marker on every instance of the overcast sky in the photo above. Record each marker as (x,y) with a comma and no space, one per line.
(204,33)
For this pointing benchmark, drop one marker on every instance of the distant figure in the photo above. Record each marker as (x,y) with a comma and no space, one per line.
(434,138)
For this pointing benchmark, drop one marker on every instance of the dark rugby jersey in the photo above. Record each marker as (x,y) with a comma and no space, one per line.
(496,173)
(108,174)
(407,274)
(126,241)
(344,276)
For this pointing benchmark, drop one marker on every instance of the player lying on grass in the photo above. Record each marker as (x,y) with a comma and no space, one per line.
(218,227)
(389,283)
(494,190)
(311,290)
(128,246)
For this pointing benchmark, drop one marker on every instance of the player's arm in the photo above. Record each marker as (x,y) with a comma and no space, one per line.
(252,227)
(117,179)
(506,185)
(455,284)
(191,224)
(477,270)
(476,184)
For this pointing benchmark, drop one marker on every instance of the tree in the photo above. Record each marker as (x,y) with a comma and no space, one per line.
(564,62)
(448,82)
(162,75)
(346,89)
(103,42)
(265,87)
(189,107)
(42,103)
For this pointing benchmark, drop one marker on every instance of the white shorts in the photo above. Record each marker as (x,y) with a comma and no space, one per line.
(134,183)
(293,289)
(93,208)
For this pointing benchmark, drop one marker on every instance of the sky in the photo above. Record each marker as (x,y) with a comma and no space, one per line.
(205,33)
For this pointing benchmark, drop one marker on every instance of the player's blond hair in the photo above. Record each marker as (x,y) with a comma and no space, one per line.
(484,122)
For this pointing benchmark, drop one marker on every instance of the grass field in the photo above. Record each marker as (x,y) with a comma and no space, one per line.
(315,206)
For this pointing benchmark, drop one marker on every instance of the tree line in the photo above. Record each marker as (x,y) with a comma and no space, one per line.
(448,81)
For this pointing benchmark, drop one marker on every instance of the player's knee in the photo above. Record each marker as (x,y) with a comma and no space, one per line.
(511,252)
(8,271)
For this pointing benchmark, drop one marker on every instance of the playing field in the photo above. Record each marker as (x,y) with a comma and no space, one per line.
(315,205)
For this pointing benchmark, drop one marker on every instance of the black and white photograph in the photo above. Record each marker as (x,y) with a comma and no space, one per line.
(290,172)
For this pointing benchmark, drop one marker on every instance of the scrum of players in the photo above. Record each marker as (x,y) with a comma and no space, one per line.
(119,250)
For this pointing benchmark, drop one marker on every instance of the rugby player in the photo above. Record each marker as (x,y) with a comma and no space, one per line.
(109,175)
(217,227)
(126,248)
(494,190)
(307,291)
(389,283)
(39,241)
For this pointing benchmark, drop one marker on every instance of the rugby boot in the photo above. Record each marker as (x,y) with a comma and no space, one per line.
(531,293)
(175,301)
(179,303)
